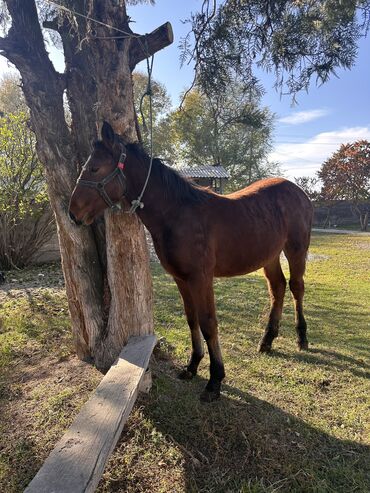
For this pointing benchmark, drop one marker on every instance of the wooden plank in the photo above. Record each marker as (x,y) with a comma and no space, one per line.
(146,382)
(77,462)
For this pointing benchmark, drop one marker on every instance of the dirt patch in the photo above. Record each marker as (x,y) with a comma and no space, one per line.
(362,245)
(42,383)
(311,257)
(17,283)
(40,400)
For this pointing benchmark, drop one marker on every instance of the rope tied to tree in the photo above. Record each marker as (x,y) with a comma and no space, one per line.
(92,19)
(137,203)
(149,89)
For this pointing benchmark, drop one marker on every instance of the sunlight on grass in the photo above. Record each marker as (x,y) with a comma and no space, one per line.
(287,421)
(322,394)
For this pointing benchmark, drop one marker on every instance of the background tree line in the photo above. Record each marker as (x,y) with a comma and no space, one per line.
(345,176)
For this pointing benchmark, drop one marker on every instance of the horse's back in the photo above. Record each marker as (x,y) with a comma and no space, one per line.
(253,225)
(276,196)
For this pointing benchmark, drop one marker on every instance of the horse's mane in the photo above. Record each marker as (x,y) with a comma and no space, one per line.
(174,186)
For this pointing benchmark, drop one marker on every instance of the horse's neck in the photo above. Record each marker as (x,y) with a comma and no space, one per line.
(153,199)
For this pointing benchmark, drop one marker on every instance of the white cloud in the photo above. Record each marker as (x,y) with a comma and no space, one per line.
(306,158)
(304,116)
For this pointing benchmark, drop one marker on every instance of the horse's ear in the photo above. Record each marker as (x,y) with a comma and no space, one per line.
(107,135)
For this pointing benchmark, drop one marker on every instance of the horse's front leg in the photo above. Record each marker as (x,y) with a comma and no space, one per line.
(197,352)
(202,293)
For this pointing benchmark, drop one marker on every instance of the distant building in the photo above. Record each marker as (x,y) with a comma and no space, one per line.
(214,177)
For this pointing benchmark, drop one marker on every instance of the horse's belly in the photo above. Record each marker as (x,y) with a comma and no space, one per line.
(237,268)
(243,257)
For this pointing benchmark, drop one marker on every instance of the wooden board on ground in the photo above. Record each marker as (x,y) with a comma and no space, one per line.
(77,462)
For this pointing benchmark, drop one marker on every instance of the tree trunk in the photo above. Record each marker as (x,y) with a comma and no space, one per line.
(364,219)
(108,287)
(363,216)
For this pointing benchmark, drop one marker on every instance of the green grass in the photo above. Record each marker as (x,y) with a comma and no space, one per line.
(287,422)
(42,386)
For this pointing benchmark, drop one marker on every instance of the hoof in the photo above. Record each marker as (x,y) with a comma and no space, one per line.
(212,391)
(185,374)
(303,345)
(263,347)
(209,395)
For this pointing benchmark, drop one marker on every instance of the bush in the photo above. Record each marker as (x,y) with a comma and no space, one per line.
(26,220)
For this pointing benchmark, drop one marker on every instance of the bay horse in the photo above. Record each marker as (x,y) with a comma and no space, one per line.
(199,235)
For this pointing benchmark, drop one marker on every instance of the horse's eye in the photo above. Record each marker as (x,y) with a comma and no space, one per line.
(94,170)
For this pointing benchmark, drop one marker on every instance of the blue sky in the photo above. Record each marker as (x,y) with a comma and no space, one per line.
(306,134)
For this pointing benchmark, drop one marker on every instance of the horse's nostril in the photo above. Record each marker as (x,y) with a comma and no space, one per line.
(72,217)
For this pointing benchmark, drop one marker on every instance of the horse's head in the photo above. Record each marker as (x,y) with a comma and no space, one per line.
(102,183)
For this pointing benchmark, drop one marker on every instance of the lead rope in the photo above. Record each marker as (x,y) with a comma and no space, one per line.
(137,203)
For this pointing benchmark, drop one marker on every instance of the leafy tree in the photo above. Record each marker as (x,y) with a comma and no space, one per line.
(105,286)
(26,221)
(11,96)
(298,40)
(310,184)
(228,129)
(161,101)
(346,176)
(163,143)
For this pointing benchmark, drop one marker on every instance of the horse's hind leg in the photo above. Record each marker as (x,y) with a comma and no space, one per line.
(297,264)
(277,285)
(197,352)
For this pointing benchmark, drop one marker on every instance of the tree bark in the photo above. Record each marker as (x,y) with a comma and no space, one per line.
(363,216)
(366,220)
(106,267)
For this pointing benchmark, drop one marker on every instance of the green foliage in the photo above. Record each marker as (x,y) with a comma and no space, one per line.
(310,185)
(23,189)
(25,219)
(161,106)
(300,41)
(11,96)
(228,129)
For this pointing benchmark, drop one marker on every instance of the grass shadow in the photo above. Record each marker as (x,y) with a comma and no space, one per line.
(326,358)
(18,464)
(242,443)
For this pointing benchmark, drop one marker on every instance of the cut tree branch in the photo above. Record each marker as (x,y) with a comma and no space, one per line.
(144,46)
(52,24)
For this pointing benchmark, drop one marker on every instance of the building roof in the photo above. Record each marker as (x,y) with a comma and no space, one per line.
(206,171)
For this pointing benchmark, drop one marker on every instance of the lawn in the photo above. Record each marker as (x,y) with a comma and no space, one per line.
(287,421)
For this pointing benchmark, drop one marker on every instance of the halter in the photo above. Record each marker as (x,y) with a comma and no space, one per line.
(99,186)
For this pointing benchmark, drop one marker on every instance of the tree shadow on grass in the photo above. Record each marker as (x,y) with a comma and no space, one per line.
(18,464)
(357,367)
(342,323)
(242,443)
(238,444)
